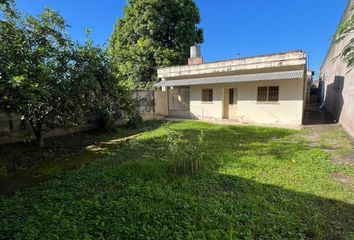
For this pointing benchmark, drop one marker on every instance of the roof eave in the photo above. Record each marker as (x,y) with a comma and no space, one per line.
(287,75)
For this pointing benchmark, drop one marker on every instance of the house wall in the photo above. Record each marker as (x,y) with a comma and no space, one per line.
(288,110)
(202,110)
(338,92)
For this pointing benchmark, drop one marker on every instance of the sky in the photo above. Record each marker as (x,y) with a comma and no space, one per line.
(231,27)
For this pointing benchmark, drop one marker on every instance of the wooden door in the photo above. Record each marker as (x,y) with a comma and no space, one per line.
(230,103)
(233,103)
(226,103)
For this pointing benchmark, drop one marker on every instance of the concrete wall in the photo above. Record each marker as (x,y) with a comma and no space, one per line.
(11,136)
(161,103)
(339,82)
(286,61)
(12,129)
(144,101)
(287,111)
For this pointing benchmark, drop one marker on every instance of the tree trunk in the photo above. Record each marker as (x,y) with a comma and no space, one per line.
(38,134)
(39,140)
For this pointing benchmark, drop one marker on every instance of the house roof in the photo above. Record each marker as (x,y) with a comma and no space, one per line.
(287,75)
(294,60)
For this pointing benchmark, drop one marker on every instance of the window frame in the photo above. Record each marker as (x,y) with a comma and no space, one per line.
(231,96)
(209,96)
(266,94)
(274,98)
(262,99)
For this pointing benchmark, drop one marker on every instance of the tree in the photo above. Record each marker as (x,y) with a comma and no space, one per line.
(7,4)
(5,1)
(344,31)
(45,76)
(34,56)
(109,100)
(153,33)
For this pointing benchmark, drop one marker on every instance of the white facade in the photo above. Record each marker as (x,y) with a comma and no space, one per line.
(288,110)
(239,100)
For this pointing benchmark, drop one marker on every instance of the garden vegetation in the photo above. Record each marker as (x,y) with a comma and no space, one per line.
(234,183)
(51,80)
(153,34)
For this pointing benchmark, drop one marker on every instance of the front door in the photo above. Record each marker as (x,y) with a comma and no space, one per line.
(230,103)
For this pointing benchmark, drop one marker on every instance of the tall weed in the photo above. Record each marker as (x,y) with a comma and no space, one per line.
(188,156)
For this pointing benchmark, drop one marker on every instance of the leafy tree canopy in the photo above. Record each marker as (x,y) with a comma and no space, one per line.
(5,1)
(48,78)
(153,33)
(345,30)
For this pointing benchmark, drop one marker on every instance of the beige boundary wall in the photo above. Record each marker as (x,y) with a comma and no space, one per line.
(339,82)
(12,129)
(287,111)
(144,101)
(26,134)
(161,106)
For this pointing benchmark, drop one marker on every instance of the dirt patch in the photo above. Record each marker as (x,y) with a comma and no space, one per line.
(332,139)
(347,159)
(314,137)
(343,179)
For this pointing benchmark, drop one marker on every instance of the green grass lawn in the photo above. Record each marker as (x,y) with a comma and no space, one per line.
(249,183)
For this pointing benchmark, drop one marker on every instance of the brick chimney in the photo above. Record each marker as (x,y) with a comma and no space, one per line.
(195,58)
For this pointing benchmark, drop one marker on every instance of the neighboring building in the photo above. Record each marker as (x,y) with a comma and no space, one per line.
(337,81)
(316,83)
(267,89)
(309,75)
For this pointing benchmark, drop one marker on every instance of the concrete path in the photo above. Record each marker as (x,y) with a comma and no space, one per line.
(313,115)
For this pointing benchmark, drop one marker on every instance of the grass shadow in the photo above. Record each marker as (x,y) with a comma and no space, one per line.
(262,190)
(24,165)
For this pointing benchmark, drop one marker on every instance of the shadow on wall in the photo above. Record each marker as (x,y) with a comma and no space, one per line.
(331,113)
(334,97)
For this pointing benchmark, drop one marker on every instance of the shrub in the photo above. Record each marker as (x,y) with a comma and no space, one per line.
(187,158)
(108,120)
(135,119)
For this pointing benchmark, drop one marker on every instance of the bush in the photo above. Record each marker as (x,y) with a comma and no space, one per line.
(108,120)
(134,119)
(112,120)
(187,158)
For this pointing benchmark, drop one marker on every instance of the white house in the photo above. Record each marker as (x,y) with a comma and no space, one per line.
(268,89)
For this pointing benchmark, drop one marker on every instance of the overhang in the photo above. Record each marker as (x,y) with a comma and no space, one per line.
(288,75)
